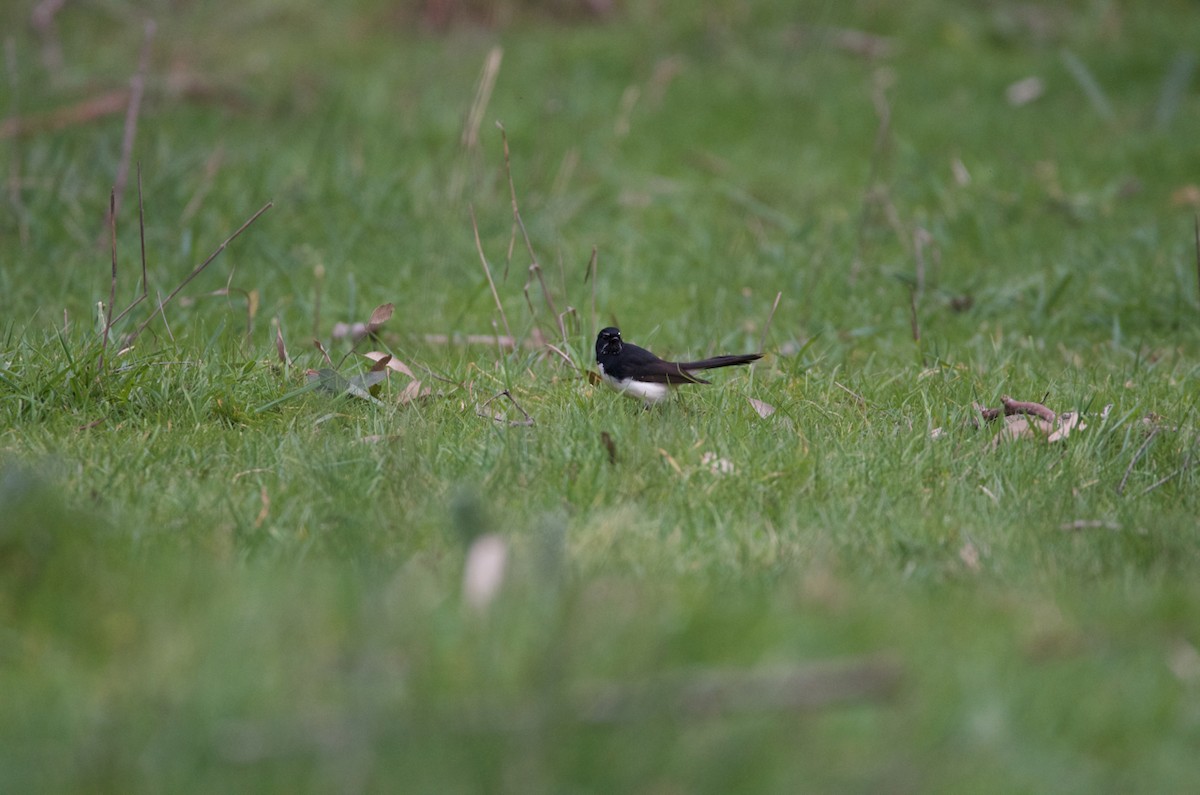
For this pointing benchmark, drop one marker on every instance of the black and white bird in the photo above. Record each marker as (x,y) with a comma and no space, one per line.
(638,373)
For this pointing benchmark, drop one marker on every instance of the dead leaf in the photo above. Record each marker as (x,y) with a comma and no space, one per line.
(764,409)
(380,316)
(280,348)
(1067,422)
(392,363)
(412,391)
(1028,426)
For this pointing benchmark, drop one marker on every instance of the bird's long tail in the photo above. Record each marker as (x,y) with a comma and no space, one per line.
(721,361)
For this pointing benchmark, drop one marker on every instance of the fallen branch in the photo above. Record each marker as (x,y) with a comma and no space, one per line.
(1010,407)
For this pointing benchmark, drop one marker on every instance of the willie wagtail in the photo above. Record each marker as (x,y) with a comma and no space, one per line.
(639,373)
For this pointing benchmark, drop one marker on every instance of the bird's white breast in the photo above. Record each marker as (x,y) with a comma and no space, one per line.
(649,391)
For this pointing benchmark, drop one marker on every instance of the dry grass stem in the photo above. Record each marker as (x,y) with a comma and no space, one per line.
(142,238)
(211,166)
(1141,451)
(498,417)
(592,274)
(41,19)
(196,272)
(82,112)
(762,340)
(483,96)
(1091,88)
(535,267)
(137,87)
(912,308)
(487,271)
(881,80)
(112,289)
(862,401)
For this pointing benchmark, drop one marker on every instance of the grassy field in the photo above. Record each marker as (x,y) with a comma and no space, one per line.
(219,575)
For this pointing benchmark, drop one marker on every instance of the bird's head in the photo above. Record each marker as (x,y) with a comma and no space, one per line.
(608,341)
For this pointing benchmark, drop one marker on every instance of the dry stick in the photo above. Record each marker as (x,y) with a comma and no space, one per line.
(112,289)
(1136,457)
(762,342)
(534,267)
(487,271)
(1023,407)
(196,272)
(137,86)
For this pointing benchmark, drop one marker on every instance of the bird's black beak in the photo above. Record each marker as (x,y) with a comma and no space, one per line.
(612,345)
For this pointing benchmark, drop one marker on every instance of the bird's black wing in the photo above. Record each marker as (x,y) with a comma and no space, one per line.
(642,365)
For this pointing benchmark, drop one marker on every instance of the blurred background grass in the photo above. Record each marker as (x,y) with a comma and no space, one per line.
(197,595)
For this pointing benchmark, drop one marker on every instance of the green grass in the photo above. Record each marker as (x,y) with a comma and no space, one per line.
(212,580)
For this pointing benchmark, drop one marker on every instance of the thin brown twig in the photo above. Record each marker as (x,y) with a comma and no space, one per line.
(196,272)
(488,272)
(1136,457)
